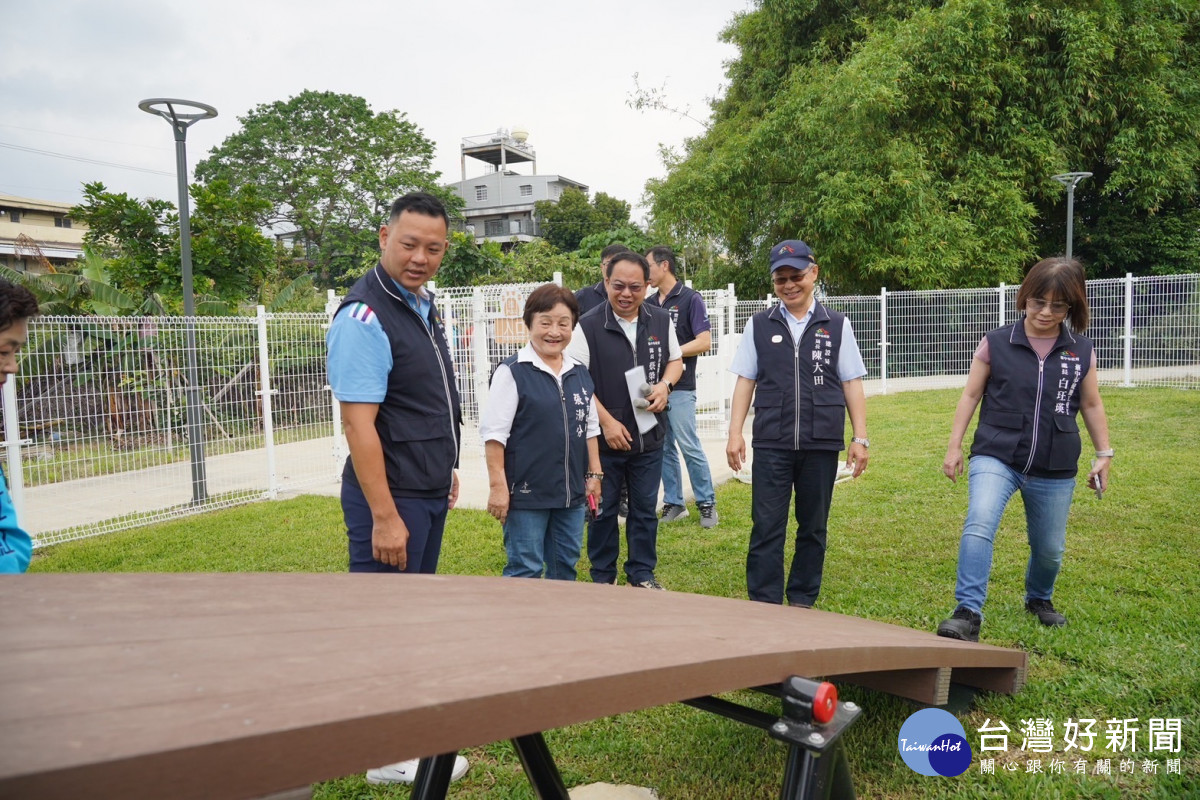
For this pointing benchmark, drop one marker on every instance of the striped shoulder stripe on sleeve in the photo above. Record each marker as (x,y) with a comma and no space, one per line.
(362,312)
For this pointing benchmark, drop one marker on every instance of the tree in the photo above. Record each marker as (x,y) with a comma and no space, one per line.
(139,241)
(911,143)
(329,168)
(572,218)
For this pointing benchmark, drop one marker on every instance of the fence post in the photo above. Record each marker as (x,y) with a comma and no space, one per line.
(883,339)
(482,362)
(1001,305)
(264,393)
(1128,329)
(731,308)
(339,453)
(12,441)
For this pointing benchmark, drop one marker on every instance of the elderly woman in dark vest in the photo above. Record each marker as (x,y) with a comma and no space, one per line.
(1034,377)
(539,431)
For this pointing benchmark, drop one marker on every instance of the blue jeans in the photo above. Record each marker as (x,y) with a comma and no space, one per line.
(543,540)
(681,430)
(1047,500)
(644,473)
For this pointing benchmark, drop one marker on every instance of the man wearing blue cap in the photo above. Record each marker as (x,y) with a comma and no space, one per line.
(799,362)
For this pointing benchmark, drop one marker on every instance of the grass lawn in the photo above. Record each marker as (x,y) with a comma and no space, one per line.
(1130,587)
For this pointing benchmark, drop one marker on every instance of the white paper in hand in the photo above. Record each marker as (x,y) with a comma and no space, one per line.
(635,379)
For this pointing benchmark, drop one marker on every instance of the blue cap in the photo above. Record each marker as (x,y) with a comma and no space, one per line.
(791,253)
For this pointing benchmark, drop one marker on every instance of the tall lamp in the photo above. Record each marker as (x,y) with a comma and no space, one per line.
(1070,180)
(181,115)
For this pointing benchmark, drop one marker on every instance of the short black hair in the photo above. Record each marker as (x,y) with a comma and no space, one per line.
(663,255)
(16,303)
(628,255)
(545,298)
(419,203)
(612,250)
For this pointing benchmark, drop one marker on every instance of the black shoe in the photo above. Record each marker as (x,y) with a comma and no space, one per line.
(649,583)
(963,625)
(1044,611)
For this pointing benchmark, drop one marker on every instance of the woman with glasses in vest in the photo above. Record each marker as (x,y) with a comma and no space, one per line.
(1034,377)
(539,431)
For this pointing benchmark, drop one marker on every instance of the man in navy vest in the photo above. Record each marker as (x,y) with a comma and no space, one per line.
(609,340)
(690,316)
(800,364)
(389,367)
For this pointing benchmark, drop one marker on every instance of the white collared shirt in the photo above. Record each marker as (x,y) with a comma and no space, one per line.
(496,420)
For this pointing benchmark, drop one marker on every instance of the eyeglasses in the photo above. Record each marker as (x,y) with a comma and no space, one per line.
(621,288)
(784,280)
(1058,307)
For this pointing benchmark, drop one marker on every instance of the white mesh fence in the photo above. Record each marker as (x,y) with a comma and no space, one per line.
(97,435)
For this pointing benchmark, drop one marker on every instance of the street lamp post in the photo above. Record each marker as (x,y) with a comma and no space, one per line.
(1070,180)
(182,114)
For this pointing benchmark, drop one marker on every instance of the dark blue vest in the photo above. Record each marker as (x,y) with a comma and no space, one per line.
(798,399)
(679,305)
(546,454)
(1028,415)
(612,355)
(591,296)
(420,417)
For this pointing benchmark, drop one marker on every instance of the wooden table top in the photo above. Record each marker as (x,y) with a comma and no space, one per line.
(237,685)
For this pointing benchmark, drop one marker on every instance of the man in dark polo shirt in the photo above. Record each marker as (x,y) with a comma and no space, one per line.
(690,316)
(611,339)
(800,364)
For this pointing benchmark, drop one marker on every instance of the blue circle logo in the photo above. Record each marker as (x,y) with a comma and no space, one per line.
(933,742)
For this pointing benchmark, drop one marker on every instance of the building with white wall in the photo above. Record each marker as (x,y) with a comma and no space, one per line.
(499,199)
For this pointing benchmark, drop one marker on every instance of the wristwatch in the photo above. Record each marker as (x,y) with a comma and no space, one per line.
(863,442)
(670,386)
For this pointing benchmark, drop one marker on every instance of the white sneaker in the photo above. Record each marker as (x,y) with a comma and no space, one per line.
(406,771)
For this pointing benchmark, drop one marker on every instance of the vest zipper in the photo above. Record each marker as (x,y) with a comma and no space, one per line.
(633,347)
(1037,413)
(438,353)
(796,373)
(566,446)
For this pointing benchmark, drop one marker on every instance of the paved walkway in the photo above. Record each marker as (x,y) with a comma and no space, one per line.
(309,467)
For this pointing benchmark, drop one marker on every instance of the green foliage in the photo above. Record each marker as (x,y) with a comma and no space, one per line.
(329,168)
(565,223)
(469,264)
(911,143)
(627,234)
(135,236)
(228,250)
(138,243)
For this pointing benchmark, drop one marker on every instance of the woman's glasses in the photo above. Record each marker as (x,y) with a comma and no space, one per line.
(1058,307)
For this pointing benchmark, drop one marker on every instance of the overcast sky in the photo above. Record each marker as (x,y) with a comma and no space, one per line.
(73,71)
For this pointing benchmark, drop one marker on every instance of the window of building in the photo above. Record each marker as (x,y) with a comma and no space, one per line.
(495,227)
(526,191)
(481,193)
(15,216)
(62,222)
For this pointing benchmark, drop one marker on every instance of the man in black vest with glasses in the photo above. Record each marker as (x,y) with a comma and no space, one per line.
(800,364)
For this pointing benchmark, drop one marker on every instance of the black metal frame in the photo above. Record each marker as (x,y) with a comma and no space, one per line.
(817,767)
